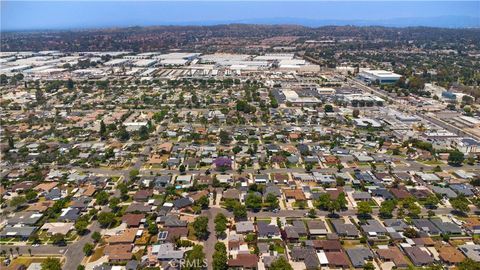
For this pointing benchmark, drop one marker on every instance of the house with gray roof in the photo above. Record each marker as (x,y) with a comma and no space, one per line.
(373,228)
(359,255)
(444,191)
(471,251)
(446,227)
(244,227)
(23,232)
(344,229)
(425,225)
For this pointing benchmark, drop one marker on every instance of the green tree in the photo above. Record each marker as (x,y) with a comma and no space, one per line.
(240,212)
(18,201)
(102,197)
(369,266)
(456,158)
(280,264)
(253,201)
(468,264)
(88,249)
(328,108)
(364,208)
(96,236)
(431,201)
(31,195)
(152,228)
(133,174)
(220,258)
(58,239)
(200,226)
(220,224)
(81,226)
(460,203)
(103,130)
(194,259)
(106,219)
(272,201)
(51,264)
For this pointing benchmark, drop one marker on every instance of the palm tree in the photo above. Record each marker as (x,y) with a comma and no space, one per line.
(18,250)
(30,251)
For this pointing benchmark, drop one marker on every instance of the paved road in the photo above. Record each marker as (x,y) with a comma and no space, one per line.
(74,254)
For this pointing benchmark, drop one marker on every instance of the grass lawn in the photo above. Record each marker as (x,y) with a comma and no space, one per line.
(25,261)
(191,233)
(97,254)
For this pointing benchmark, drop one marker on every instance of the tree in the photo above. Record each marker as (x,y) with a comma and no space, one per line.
(410,232)
(96,236)
(460,203)
(152,228)
(328,108)
(239,212)
(58,239)
(387,207)
(271,201)
(220,257)
(51,264)
(181,169)
(431,201)
(133,174)
(80,267)
(122,134)
(200,226)
(224,137)
(280,264)
(468,264)
(456,158)
(18,201)
(369,266)
(253,201)
(143,133)
(356,113)
(364,208)
(102,197)
(31,195)
(312,213)
(113,204)
(103,130)
(195,258)
(81,226)
(88,249)
(220,224)
(106,219)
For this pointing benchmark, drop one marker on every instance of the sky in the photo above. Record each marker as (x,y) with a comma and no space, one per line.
(40,15)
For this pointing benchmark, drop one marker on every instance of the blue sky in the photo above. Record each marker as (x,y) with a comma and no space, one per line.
(32,15)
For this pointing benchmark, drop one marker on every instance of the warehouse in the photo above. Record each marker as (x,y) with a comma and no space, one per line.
(380,76)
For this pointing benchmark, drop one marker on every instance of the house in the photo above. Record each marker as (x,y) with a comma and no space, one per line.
(307,255)
(69,214)
(118,252)
(426,225)
(231,193)
(142,195)
(359,255)
(162,181)
(125,237)
(337,259)
(23,232)
(471,251)
(184,180)
(295,194)
(171,221)
(261,178)
(244,261)
(133,220)
(182,202)
(316,227)
(324,179)
(397,224)
(361,196)
(138,207)
(266,230)
(244,227)
(446,227)
(392,254)
(418,256)
(57,227)
(325,245)
(344,229)
(24,218)
(167,252)
(373,228)
(450,255)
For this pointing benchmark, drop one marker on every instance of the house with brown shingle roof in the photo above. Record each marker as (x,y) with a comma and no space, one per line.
(296,194)
(126,237)
(392,254)
(132,220)
(244,261)
(118,252)
(450,255)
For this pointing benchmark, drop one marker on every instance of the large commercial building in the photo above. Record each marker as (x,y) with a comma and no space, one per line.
(380,76)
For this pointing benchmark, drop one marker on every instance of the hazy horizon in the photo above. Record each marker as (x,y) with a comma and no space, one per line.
(57,15)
